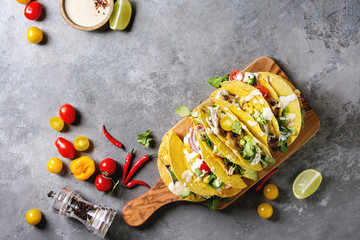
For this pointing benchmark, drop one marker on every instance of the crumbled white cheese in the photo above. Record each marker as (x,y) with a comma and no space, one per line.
(187,175)
(190,156)
(262,101)
(196,164)
(256,92)
(268,114)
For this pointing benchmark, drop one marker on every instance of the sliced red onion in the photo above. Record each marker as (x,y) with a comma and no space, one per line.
(302,99)
(192,140)
(213,118)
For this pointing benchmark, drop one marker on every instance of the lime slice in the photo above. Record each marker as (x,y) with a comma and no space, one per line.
(306,183)
(121,15)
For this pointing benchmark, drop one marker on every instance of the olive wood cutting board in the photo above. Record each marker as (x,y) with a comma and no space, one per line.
(137,211)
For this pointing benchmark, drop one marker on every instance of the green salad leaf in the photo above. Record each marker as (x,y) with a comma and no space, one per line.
(183,111)
(215,81)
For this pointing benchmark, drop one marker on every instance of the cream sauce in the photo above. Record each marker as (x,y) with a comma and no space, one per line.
(178,188)
(85,13)
(286,100)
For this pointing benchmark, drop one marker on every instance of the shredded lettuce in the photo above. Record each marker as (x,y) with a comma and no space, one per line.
(236,127)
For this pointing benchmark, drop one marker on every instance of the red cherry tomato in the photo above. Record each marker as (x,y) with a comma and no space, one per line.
(204,167)
(33,10)
(65,147)
(67,113)
(263,90)
(236,75)
(103,184)
(108,165)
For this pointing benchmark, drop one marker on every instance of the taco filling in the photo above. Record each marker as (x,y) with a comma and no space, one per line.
(228,127)
(198,167)
(253,107)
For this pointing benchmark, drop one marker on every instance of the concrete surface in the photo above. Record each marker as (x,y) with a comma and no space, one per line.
(132,81)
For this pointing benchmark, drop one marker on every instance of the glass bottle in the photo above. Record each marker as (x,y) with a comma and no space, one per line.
(70,204)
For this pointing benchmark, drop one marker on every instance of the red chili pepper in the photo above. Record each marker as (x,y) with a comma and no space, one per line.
(126,164)
(136,167)
(263,181)
(111,139)
(134,183)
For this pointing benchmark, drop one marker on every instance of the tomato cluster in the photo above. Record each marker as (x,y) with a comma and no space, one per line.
(103,182)
(33,11)
(271,192)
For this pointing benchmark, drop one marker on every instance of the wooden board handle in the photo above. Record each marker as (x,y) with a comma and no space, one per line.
(137,211)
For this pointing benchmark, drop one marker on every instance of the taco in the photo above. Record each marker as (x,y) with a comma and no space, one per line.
(169,177)
(249,151)
(223,157)
(251,109)
(282,98)
(189,168)
(230,174)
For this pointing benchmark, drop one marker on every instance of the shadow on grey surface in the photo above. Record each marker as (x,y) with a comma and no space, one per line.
(42,224)
(120,230)
(45,38)
(77,117)
(66,128)
(43,13)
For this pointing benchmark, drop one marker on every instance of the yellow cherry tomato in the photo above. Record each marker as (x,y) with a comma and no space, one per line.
(271,191)
(34,35)
(81,143)
(226,123)
(54,165)
(33,216)
(57,123)
(23,1)
(265,210)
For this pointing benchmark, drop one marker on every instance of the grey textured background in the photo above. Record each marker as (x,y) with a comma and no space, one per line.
(133,80)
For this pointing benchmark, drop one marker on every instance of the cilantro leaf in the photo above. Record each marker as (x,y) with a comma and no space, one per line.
(212,202)
(226,199)
(236,127)
(145,138)
(206,139)
(215,81)
(183,111)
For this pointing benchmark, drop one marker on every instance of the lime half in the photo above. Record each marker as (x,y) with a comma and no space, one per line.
(306,183)
(121,15)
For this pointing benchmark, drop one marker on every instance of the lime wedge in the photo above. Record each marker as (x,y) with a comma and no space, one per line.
(121,15)
(306,183)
